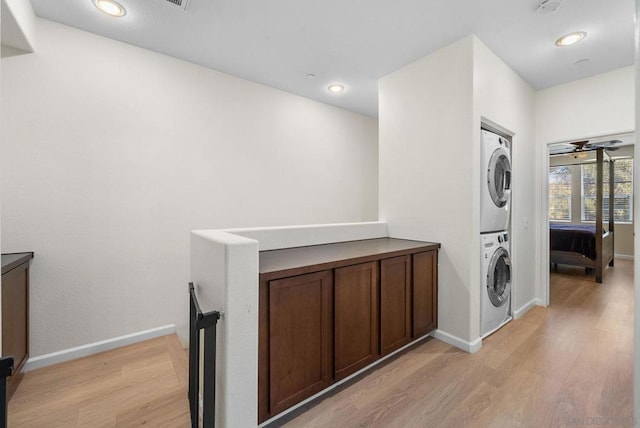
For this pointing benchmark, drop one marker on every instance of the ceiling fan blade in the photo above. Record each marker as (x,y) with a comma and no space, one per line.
(606,144)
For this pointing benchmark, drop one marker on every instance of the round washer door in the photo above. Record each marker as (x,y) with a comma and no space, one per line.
(499,177)
(499,277)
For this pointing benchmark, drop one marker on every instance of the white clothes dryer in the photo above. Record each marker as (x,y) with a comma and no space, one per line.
(495,284)
(495,193)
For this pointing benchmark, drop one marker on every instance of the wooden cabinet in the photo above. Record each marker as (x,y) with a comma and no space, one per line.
(15,313)
(356,318)
(425,292)
(300,348)
(327,311)
(395,303)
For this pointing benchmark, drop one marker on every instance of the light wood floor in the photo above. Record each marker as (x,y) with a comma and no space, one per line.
(568,364)
(142,384)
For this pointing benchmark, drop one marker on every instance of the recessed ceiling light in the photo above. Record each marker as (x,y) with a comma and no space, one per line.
(571,39)
(335,88)
(311,76)
(582,61)
(111,8)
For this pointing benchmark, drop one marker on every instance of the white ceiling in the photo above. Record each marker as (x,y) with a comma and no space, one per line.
(279,42)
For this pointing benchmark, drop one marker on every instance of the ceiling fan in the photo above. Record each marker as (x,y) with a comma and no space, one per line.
(584,146)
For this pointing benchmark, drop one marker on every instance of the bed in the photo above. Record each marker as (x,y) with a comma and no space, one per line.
(586,245)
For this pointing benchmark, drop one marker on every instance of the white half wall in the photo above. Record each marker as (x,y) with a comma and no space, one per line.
(224,270)
(111,155)
(273,238)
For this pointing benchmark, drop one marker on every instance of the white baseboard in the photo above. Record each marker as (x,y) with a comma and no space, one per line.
(96,347)
(623,256)
(470,347)
(518,313)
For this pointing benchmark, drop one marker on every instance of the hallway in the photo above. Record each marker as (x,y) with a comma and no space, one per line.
(569,364)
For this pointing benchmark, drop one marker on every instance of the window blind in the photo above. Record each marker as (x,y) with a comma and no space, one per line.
(623,191)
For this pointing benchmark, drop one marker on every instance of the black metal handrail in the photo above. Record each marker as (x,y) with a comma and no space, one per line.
(199,321)
(6,370)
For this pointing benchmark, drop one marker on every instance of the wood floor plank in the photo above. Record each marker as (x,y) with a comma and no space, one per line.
(470,410)
(616,400)
(179,358)
(167,411)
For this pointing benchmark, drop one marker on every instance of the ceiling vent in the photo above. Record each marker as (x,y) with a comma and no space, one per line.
(548,6)
(182,4)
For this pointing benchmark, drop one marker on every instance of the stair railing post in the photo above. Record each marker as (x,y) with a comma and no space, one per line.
(6,370)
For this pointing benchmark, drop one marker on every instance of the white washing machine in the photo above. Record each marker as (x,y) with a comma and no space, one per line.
(495,284)
(495,193)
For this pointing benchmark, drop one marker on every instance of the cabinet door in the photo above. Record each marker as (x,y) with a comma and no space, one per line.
(356,318)
(15,312)
(300,333)
(395,303)
(425,293)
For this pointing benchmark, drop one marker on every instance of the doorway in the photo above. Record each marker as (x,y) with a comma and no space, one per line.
(570,203)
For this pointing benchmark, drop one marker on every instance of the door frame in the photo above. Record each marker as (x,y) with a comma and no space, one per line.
(544,205)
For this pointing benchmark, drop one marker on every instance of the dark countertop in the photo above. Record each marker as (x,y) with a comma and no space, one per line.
(328,256)
(13,260)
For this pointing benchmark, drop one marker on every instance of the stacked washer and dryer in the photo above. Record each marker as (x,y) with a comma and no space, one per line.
(495,206)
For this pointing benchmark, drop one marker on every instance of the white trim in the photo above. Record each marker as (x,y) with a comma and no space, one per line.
(96,347)
(484,122)
(274,238)
(623,257)
(518,313)
(543,296)
(268,422)
(543,250)
(470,347)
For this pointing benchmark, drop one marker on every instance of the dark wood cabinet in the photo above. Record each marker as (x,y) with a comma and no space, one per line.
(395,303)
(300,339)
(356,318)
(327,311)
(425,292)
(15,313)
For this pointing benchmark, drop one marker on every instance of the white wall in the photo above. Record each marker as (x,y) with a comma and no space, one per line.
(591,107)
(426,190)
(430,115)
(636,210)
(0,197)
(596,106)
(112,154)
(501,96)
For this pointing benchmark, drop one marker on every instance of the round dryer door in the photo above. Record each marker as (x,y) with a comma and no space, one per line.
(499,177)
(499,277)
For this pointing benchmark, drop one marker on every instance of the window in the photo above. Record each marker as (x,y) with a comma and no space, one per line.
(560,193)
(623,191)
